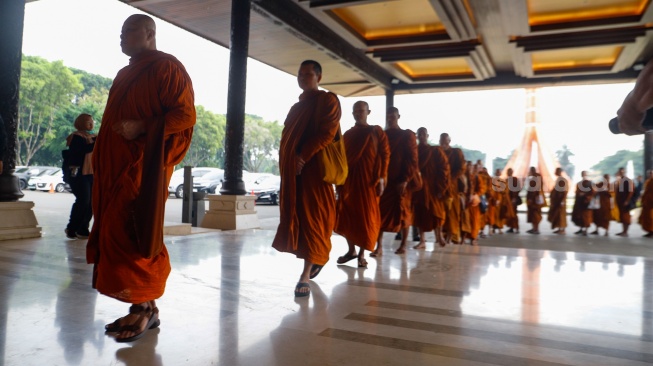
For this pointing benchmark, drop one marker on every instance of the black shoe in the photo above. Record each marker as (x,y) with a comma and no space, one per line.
(398,236)
(511,230)
(416,238)
(82,235)
(70,234)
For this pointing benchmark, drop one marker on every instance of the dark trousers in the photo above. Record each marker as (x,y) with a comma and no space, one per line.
(81,212)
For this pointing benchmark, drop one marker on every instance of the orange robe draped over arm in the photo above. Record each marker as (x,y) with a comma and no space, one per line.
(429,202)
(131,177)
(453,216)
(396,212)
(359,217)
(307,204)
(558,204)
(646,217)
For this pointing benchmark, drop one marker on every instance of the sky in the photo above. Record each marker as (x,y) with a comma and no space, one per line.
(85,34)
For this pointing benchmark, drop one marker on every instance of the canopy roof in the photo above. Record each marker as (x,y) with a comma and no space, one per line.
(416,46)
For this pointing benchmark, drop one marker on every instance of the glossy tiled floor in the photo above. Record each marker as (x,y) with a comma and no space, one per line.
(515,300)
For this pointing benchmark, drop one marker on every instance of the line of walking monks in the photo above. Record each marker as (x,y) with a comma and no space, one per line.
(600,202)
(397,179)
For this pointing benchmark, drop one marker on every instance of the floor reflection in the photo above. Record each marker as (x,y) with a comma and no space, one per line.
(229,301)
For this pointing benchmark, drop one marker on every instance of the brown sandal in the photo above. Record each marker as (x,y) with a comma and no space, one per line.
(153,322)
(134,309)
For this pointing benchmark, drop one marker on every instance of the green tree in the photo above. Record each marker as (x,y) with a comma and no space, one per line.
(472,155)
(563,158)
(610,164)
(499,163)
(206,147)
(261,145)
(46,88)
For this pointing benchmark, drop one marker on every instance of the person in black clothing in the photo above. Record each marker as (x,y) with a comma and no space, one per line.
(81,143)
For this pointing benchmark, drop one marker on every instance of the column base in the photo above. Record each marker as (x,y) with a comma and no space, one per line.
(18,221)
(229,212)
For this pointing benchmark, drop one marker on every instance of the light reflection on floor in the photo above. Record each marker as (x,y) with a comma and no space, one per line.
(229,301)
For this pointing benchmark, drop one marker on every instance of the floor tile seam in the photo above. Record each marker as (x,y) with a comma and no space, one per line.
(57,255)
(408,288)
(49,281)
(630,344)
(434,349)
(627,252)
(525,341)
(492,346)
(41,265)
(459,314)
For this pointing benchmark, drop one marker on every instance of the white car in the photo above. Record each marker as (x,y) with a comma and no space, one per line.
(49,179)
(176,185)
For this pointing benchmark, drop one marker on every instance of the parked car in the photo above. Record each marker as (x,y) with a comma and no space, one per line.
(48,179)
(210,182)
(176,185)
(24,173)
(266,189)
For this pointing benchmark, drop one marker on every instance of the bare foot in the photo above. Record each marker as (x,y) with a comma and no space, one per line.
(400,250)
(376,253)
(420,246)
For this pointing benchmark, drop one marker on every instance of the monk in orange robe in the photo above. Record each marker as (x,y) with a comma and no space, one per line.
(477,189)
(358,215)
(558,203)
(502,201)
(308,205)
(646,217)
(429,202)
(602,215)
(488,217)
(146,130)
(453,203)
(624,189)
(534,200)
(514,188)
(403,174)
(581,214)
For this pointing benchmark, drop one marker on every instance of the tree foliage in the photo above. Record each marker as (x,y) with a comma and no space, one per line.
(261,145)
(473,155)
(206,148)
(51,97)
(610,164)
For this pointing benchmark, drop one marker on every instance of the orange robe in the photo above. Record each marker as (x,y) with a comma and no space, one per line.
(504,209)
(455,203)
(478,188)
(514,187)
(558,208)
(624,189)
(646,217)
(131,177)
(307,204)
(602,215)
(429,202)
(396,211)
(488,217)
(368,155)
(581,215)
(535,200)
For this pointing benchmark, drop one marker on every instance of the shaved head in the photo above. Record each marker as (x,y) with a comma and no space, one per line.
(138,34)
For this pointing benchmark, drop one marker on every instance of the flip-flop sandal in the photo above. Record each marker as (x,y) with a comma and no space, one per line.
(301,285)
(346,258)
(315,270)
(154,317)
(134,309)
